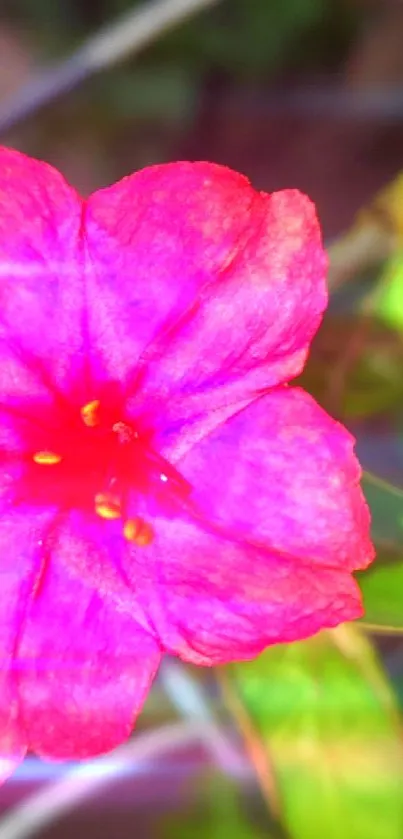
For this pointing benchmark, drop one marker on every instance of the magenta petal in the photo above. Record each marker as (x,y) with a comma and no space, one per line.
(19,556)
(85,670)
(213,285)
(94,551)
(201,596)
(41,279)
(212,600)
(282,474)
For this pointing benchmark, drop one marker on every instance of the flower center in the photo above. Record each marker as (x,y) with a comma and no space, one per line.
(102,464)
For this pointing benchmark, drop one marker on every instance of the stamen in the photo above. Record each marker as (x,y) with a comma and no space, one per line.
(138,531)
(90,413)
(107,507)
(47,458)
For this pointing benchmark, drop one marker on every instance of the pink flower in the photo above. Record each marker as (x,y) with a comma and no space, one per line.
(162,488)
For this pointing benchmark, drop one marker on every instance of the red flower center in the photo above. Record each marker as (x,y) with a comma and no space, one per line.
(99,463)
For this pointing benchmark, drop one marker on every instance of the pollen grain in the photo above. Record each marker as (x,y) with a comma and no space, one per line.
(107,507)
(47,458)
(90,413)
(138,531)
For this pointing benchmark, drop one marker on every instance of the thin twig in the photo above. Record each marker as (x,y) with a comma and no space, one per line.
(190,700)
(258,749)
(55,800)
(112,44)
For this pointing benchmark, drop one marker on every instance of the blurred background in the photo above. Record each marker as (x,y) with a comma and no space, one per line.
(307,740)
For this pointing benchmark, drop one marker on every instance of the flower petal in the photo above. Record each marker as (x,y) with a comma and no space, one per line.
(209,283)
(85,670)
(19,535)
(206,598)
(282,474)
(42,285)
(92,550)
(213,600)
(200,595)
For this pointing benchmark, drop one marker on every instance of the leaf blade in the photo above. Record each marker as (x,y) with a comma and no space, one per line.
(330,724)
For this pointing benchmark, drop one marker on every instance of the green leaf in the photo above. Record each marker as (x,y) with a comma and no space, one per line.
(389,303)
(326,716)
(386,504)
(382,583)
(382,590)
(217,812)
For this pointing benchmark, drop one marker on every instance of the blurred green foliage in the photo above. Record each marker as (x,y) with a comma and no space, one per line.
(137,113)
(327,717)
(382,588)
(382,583)
(355,367)
(216,808)
(389,302)
(245,38)
(386,504)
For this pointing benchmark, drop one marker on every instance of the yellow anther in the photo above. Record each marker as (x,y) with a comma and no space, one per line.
(90,413)
(107,507)
(47,458)
(138,531)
